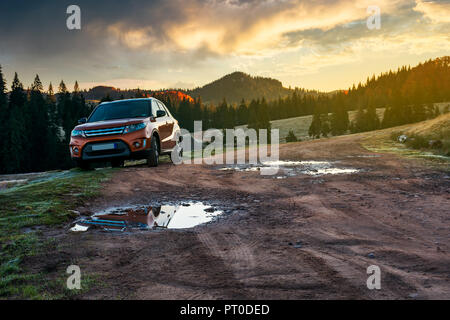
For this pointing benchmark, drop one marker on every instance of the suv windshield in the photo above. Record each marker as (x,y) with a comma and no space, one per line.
(121,110)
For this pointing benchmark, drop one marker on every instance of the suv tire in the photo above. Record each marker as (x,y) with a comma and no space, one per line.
(153,158)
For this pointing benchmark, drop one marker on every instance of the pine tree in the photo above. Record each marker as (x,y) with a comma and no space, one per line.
(37,146)
(339,120)
(291,137)
(253,114)
(316,126)
(242,113)
(64,110)
(372,122)
(15,158)
(325,125)
(359,123)
(78,107)
(259,117)
(184,115)
(53,129)
(3,120)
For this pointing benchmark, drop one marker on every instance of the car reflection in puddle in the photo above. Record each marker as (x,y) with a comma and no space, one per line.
(293,168)
(186,215)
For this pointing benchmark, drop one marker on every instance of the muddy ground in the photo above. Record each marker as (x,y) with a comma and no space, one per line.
(303,237)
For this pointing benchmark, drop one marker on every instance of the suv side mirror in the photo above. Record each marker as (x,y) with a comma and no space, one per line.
(160,113)
(82,120)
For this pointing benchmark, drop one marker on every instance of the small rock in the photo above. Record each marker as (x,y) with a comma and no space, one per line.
(413,295)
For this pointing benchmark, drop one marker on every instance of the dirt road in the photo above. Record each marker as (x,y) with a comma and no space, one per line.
(303,237)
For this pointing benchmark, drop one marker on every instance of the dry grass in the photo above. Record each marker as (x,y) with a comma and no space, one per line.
(433,129)
(437,128)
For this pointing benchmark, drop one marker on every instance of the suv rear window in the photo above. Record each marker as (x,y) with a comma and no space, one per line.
(121,110)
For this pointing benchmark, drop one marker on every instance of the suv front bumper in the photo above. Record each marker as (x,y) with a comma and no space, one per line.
(120,150)
(85,150)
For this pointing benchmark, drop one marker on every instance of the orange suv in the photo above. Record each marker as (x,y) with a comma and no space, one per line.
(125,129)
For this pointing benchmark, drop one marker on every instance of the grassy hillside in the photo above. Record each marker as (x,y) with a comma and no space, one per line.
(419,135)
(435,128)
(300,125)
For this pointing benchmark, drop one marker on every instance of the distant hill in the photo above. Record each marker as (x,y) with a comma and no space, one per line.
(233,87)
(237,86)
(99,92)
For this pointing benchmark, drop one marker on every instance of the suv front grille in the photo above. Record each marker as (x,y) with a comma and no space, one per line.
(104,132)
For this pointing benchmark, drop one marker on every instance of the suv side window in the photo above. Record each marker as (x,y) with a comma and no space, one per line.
(155,107)
(163,107)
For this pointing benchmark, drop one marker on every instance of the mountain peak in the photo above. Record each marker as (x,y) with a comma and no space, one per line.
(238,85)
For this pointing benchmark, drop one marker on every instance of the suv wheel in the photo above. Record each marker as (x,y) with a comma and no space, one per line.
(153,158)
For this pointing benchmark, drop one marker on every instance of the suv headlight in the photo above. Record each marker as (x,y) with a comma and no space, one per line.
(77,133)
(134,127)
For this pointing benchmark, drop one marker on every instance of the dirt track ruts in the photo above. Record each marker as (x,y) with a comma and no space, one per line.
(396,208)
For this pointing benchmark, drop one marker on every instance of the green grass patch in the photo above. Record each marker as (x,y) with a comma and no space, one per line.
(42,203)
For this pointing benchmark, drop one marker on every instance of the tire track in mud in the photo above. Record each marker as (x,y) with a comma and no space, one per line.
(349,270)
(235,255)
(229,248)
(331,277)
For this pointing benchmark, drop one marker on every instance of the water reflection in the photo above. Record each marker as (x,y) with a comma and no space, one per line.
(187,215)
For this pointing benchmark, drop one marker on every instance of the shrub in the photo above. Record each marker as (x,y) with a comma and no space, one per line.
(395,135)
(417,142)
(291,137)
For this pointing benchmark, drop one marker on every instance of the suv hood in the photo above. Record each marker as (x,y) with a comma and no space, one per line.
(109,123)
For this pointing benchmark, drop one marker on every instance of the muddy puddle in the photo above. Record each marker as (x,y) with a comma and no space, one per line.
(182,216)
(294,168)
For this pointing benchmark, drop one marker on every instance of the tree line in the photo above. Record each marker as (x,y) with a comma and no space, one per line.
(36,124)
(407,95)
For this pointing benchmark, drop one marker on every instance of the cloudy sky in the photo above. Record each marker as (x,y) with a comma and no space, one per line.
(320,44)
